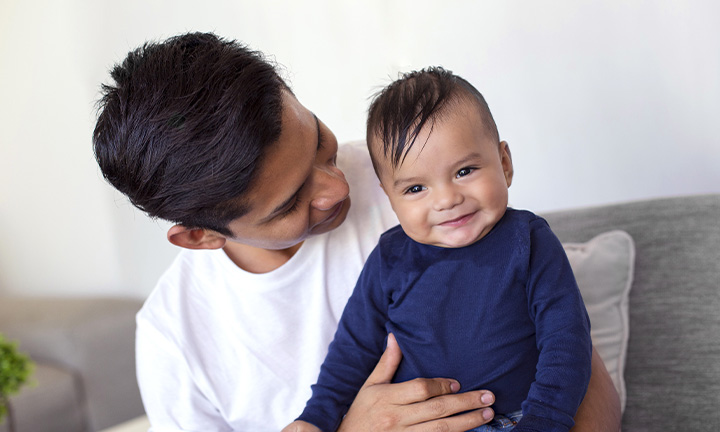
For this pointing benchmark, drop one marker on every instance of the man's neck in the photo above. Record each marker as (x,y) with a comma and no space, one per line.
(256,260)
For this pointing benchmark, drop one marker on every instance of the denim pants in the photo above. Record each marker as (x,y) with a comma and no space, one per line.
(501,422)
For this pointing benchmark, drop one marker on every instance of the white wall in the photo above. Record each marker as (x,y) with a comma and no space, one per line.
(600,101)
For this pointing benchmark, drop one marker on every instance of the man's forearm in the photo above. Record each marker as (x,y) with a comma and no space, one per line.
(600,409)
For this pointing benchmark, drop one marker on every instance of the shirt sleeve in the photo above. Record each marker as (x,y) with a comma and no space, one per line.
(358,344)
(172,400)
(563,336)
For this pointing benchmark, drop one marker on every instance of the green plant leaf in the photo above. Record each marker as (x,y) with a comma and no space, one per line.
(15,369)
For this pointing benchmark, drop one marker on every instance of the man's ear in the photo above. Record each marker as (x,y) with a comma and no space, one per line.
(194,238)
(506,161)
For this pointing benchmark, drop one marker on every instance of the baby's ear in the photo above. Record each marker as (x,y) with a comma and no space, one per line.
(195,238)
(506,161)
(382,187)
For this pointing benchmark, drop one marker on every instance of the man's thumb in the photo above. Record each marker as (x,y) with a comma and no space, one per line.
(387,365)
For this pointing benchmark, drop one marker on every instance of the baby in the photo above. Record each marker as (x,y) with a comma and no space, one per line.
(470,289)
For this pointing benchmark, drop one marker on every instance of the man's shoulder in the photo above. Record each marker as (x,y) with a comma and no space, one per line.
(187,273)
(190,265)
(354,160)
(355,147)
(370,211)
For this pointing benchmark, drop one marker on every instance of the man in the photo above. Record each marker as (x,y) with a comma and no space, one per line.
(203,132)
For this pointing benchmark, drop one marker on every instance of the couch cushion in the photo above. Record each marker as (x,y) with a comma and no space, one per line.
(603,268)
(672,372)
(94,337)
(53,401)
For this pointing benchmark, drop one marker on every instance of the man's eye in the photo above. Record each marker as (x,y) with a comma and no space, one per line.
(290,210)
(464,171)
(414,189)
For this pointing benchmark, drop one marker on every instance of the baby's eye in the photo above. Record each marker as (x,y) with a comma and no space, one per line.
(414,189)
(464,171)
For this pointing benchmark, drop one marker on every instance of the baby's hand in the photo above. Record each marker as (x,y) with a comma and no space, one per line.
(300,426)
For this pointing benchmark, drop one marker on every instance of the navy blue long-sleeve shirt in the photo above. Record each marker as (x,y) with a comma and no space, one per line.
(502,314)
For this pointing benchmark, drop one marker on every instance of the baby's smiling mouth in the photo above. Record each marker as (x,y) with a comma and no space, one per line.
(459,221)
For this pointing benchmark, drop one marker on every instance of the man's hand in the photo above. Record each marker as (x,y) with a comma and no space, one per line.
(418,405)
(600,409)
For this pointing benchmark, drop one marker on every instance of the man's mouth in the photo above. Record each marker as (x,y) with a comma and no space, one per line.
(336,211)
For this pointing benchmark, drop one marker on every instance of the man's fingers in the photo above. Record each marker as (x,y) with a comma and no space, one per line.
(387,365)
(423,389)
(459,423)
(440,408)
(420,404)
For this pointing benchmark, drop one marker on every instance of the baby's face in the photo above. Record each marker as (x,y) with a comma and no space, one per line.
(454,189)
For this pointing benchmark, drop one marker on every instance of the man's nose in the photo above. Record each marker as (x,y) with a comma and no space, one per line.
(329,187)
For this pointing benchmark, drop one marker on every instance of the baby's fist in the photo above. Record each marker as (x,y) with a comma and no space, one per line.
(300,426)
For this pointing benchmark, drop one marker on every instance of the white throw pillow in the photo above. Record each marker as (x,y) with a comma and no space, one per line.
(603,269)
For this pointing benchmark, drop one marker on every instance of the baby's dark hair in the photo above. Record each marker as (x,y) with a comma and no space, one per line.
(185,126)
(399,112)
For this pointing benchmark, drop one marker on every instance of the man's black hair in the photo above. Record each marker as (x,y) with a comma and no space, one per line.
(185,125)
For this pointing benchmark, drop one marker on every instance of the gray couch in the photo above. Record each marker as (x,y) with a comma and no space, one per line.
(84,352)
(672,371)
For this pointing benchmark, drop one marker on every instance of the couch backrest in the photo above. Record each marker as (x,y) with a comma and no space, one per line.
(672,371)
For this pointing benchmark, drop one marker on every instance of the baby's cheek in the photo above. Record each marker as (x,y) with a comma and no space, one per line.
(418,226)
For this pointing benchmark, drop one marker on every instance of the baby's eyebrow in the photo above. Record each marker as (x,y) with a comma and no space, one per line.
(472,157)
(408,180)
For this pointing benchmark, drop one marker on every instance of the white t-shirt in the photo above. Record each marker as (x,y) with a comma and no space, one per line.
(221,349)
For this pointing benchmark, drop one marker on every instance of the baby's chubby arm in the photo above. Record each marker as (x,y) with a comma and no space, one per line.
(562,327)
